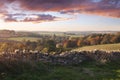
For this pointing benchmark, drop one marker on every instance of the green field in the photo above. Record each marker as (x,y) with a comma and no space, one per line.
(38,71)
(109,47)
(24,38)
(62,34)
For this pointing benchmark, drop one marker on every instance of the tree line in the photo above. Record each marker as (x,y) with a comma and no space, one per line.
(58,45)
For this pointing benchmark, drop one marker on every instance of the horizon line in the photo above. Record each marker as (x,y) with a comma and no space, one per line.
(64,31)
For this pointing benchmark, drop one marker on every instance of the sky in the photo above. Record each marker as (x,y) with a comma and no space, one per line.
(60,15)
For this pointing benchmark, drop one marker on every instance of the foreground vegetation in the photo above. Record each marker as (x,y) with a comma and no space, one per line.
(94,66)
(40,71)
(109,47)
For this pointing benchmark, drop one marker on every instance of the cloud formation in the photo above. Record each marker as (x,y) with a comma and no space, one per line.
(35,18)
(110,8)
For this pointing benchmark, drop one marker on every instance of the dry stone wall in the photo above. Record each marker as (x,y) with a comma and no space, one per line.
(66,58)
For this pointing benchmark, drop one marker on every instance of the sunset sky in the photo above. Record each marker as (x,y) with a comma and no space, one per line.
(60,15)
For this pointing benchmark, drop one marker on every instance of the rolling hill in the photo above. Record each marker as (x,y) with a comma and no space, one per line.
(109,47)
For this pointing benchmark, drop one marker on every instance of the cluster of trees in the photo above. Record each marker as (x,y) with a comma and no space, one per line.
(10,46)
(56,44)
(93,39)
(45,46)
(96,39)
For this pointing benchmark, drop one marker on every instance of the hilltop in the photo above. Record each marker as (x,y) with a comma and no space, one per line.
(12,33)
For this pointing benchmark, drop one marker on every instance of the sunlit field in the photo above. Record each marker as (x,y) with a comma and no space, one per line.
(24,39)
(108,47)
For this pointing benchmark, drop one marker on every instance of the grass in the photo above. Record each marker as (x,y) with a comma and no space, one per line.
(42,71)
(21,70)
(28,70)
(24,38)
(60,34)
(108,47)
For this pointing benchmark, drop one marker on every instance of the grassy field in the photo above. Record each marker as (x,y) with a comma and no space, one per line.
(109,47)
(38,71)
(62,34)
(24,38)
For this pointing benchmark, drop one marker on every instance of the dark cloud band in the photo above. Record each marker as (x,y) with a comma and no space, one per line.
(109,8)
(29,18)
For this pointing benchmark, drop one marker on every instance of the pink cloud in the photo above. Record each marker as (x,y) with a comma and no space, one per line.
(110,8)
(35,18)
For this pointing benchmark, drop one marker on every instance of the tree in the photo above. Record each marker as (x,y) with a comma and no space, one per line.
(51,45)
(4,47)
(106,39)
(70,44)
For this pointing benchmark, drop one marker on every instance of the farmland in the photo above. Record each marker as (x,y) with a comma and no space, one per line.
(26,64)
(109,47)
(24,38)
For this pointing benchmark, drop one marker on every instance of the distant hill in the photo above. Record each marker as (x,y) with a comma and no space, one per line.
(109,47)
(79,33)
(92,32)
(12,33)
(7,33)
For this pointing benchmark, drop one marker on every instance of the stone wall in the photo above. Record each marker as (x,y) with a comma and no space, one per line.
(66,58)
